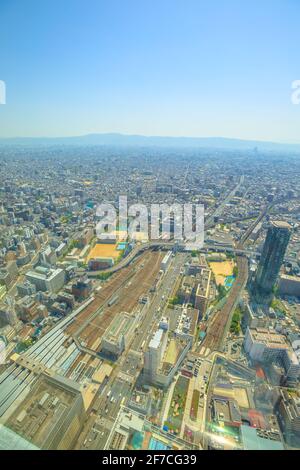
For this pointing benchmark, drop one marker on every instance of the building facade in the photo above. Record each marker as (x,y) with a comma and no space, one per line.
(272,257)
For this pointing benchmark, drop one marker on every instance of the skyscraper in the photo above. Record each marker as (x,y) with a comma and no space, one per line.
(272,257)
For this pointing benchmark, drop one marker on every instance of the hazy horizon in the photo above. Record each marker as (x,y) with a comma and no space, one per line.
(134,134)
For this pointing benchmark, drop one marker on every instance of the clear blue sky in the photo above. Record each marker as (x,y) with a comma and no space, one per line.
(153,67)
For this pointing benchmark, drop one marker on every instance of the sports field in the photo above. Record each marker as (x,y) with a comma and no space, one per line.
(104,250)
(222,270)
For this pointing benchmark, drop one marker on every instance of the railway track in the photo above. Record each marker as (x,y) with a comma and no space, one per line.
(220,324)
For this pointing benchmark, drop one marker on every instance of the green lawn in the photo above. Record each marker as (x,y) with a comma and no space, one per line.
(177,406)
(194,405)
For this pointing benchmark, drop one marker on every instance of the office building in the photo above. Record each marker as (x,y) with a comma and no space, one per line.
(202,292)
(82,288)
(272,257)
(258,439)
(8,315)
(289,285)
(164,356)
(9,273)
(288,412)
(26,288)
(266,346)
(166,261)
(46,280)
(154,354)
(48,257)
(52,415)
(118,334)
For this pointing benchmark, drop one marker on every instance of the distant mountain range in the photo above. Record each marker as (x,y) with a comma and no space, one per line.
(155,141)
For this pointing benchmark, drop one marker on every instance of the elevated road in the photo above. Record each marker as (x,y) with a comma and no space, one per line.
(210,221)
(169,245)
(137,250)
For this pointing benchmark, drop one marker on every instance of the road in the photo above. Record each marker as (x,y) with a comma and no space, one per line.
(159,301)
(210,221)
(96,430)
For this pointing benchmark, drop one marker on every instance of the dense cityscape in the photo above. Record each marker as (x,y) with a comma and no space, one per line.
(149,233)
(121,344)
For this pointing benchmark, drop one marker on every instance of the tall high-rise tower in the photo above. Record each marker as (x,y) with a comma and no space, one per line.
(272,257)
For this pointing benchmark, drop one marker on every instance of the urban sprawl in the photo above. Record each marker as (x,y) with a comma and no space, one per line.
(129,344)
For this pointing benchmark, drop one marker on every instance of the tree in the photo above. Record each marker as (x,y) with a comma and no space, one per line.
(103,276)
(175,300)
(221,291)
(235,271)
(235,326)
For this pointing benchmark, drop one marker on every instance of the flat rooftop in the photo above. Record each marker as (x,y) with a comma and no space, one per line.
(155,341)
(204,283)
(253,441)
(43,409)
(44,273)
(281,224)
(119,326)
(9,440)
(268,337)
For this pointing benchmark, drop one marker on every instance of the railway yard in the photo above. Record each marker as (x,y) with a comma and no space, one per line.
(127,286)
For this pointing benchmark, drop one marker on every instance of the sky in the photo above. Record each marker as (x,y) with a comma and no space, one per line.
(202,68)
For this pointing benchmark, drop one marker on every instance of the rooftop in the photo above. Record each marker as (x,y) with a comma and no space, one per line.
(268,337)
(253,441)
(281,224)
(155,341)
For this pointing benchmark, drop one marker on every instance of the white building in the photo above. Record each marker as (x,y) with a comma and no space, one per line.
(46,280)
(118,334)
(166,261)
(164,357)
(265,345)
(48,256)
(154,354)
